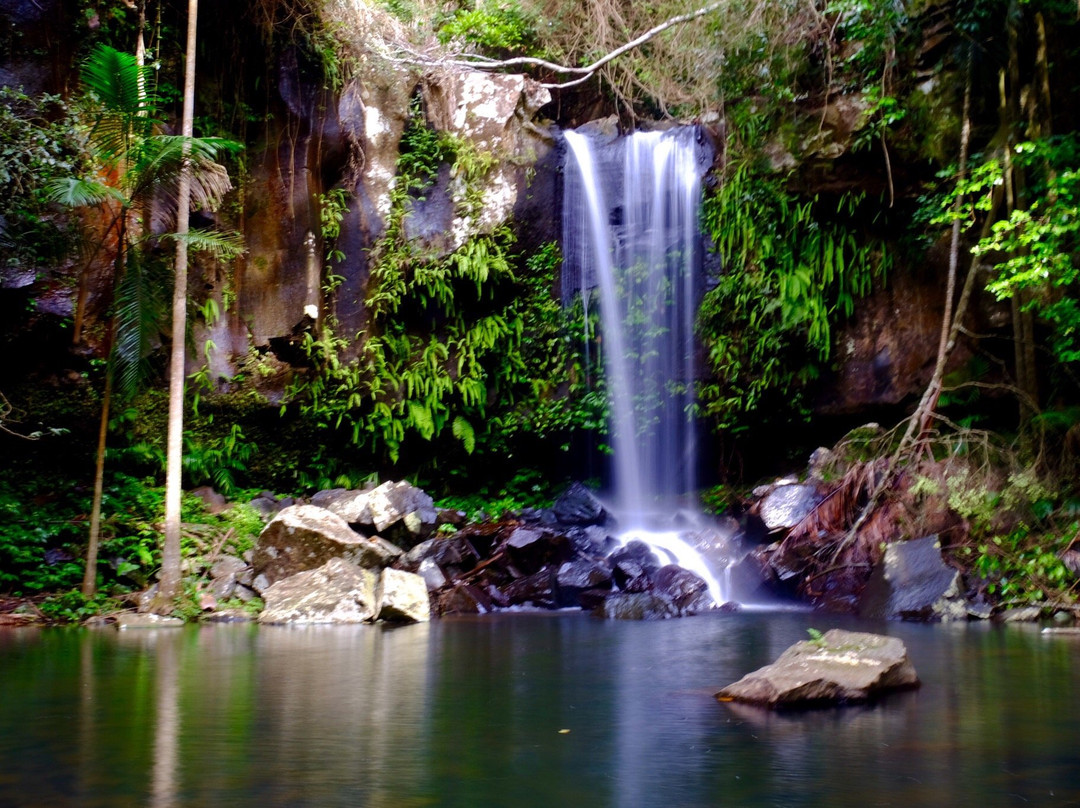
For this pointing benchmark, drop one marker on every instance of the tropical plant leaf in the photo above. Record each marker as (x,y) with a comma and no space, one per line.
(73,192)
(465,433)
(219,244)
(142,299)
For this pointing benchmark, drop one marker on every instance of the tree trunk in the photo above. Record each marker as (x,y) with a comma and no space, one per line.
(169,579)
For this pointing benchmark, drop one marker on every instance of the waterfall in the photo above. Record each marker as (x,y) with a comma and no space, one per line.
(631,233)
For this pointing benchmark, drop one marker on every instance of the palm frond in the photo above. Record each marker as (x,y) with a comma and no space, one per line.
(142,299)
(117,81)
(73,192)
(216,243)
(157,168)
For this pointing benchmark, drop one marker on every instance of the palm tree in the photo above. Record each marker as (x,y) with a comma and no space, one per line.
(169,579)
(135,182)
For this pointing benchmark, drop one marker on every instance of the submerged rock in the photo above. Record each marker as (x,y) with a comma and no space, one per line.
(304,537)
(336,592)
(638,606)
(913,583)
(840,667)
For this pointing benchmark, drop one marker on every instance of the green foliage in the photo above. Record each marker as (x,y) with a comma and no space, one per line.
(74,607)
(1040,244)
(444,355)
(790,273)
(495,27)
(38,145)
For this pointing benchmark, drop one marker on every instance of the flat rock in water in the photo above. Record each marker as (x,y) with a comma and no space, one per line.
(336,592)
(127,620)
(638,606)
(840,667)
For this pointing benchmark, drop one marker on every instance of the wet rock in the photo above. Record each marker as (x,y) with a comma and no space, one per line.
(402,597)
(537,589)
(399,511)
(304,537)
(336,592)
(575,577)
(638,606)
(592,541)
(912,582)
(530,549)
(464,598)
(687,590)
(579,506)
(787,505)
(840,667)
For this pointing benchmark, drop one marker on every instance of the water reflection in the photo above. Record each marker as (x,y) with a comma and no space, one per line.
(471,712)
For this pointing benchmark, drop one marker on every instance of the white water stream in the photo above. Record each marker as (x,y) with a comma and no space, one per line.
(631,232)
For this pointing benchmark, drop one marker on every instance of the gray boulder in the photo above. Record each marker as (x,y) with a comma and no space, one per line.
(579,506)
(787,505)
(399,506)
(402,597)
(336,592)
(687,590)
(913,583)
(840,667)
(304,537)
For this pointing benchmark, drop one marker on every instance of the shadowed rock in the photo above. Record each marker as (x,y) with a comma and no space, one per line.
(579,506)
(840,667)
(913,583)
(687,590)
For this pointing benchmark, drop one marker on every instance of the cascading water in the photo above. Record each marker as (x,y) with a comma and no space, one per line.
(630,231)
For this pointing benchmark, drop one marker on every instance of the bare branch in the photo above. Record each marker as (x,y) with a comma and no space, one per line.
(478,62)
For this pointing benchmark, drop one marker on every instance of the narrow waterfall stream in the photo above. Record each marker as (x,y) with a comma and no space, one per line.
(631,233)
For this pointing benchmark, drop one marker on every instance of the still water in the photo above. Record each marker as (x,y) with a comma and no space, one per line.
(474,712)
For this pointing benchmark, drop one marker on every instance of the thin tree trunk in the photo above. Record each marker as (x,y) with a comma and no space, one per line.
(93,542)
(169,579)
(920,420)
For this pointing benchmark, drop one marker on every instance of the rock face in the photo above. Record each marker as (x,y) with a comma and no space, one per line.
(840,667)
(913,583)
(336,592)
(303,537)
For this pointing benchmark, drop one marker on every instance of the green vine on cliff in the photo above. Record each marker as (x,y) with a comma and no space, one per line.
(791,271)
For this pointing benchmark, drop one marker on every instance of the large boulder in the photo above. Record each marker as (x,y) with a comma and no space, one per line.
(402,597)
(912,582)
(399,511)
(336,592)
(839,667)
(579,506)
(303,537)
(687,590)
